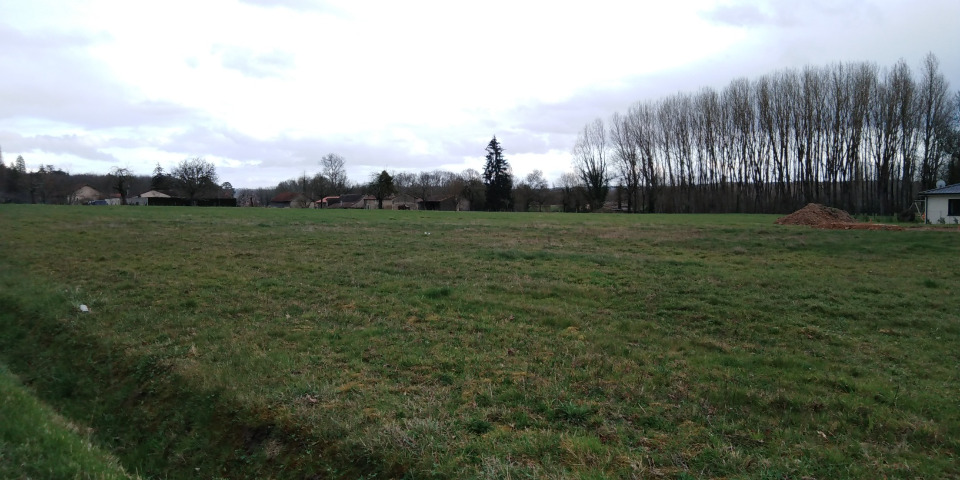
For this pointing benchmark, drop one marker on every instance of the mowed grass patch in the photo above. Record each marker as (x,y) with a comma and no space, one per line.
(490,345)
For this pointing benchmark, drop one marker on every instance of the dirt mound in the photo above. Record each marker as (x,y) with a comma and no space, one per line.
(820,216)
(816,215)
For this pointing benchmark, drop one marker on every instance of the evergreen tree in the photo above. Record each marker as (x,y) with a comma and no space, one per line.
(382,186)
(497,178)
(16,175)
(159,181)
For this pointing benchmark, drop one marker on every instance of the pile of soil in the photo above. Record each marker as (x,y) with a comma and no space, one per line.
(820,216)
(815,215)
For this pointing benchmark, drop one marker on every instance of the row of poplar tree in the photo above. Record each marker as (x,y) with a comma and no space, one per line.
(851,135)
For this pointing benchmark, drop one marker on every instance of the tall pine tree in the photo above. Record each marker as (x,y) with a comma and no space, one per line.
(159,181)
(497,178)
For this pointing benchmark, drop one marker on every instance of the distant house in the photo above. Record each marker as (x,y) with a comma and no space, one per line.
(350,200)
(942,204)
(84,195)
(448,203)
(369,202)
(290,200)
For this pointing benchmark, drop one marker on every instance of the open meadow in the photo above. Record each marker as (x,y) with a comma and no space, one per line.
(266,343)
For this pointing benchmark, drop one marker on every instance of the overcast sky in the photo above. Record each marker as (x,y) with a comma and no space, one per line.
(263,89)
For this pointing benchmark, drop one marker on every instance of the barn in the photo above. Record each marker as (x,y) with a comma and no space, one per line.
(942,204)
(84,194)
(290,200)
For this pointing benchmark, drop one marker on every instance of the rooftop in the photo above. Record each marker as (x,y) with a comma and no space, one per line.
(947,190)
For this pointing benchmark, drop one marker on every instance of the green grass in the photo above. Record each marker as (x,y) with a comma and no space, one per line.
(35,442)
(255,343)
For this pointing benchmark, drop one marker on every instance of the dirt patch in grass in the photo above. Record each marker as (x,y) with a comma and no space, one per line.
(821,216)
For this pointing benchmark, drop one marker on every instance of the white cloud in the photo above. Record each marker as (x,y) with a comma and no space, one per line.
(274,63)
(265,88)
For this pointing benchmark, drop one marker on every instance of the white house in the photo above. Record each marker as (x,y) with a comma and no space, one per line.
(942,204)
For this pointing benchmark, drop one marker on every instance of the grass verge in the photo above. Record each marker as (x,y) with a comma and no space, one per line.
(36,442)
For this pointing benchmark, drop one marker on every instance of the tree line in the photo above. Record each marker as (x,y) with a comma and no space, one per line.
(849,135)
(493,189)
(193,178)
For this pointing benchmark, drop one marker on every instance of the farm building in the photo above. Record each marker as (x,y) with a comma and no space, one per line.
(155,193)
(84,194)
(401,201)
(327,202)
(290,200)
(449,203)
(144,198)
(942,204)
(350,200)
(369,202)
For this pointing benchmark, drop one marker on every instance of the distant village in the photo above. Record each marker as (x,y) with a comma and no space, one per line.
(194,182)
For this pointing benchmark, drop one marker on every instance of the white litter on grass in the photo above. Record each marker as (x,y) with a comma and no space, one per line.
(426,233)
(84,309)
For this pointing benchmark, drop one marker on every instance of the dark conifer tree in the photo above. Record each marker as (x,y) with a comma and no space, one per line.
(382,186)
(497,178)
(159,181)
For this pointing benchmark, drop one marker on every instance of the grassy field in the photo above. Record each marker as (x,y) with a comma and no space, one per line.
(256,343)
(35,442)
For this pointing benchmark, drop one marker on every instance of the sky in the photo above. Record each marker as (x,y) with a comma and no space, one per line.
(263,89)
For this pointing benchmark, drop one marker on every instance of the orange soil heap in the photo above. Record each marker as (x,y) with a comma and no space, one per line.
(819,216)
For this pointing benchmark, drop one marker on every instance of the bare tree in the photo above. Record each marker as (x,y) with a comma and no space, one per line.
(538,188)
(861,85)
(454,185)
(195,176)
(522,196)
(426,185)
(474,190)
(590,162)
(404,181)
(572,192)
(849,135)
(644,132)
(334,171)
(120,179)
(317,186)
(934,110)
(627,158)
(949,138)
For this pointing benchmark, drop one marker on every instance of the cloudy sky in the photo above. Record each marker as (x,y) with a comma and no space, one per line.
(264,88)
